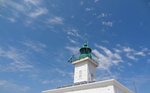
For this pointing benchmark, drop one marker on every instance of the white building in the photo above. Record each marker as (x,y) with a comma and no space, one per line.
(85,77)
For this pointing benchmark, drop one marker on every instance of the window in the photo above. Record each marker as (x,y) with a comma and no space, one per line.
(80,73)
(92,76)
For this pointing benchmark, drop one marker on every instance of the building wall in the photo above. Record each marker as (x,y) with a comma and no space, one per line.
(91,71)
(118,90)
(80,72)
(107,86)
(108,89)
(84,71)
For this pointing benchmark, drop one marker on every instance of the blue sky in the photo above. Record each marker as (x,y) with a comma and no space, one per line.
(37,37)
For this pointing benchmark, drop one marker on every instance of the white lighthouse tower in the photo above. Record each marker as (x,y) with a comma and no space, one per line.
(85,66)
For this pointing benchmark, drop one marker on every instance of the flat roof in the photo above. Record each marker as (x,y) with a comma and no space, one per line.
(84,59)
(90,86)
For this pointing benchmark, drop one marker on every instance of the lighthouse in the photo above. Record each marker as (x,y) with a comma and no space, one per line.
(85,77)
(85,66)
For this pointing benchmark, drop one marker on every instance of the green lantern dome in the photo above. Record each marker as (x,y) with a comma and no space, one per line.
(85,51)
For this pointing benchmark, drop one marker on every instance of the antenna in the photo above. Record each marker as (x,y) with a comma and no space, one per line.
(85,38)
(71,59)
(74,57)
(135,88)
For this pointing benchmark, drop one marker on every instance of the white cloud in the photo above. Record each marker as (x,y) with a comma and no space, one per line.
(88,9)
(35,45)
(9,18)
(130,56)
(34,2)
(129,64)
(141,53)
(56,20)
(134,54)
(38,12)
(117,50)
(73,41)
(73,35)
(107,58)
(128,49)
(72,49)
(12,87)
(12,19)
(107,23)
(107,51)
(73,32)
(102,15)
(15,6)
(110,54)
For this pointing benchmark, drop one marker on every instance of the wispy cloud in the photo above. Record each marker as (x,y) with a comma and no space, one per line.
(11,19)
(130,56)
(89,9)
(104,15)
(73,34)
(38,12)
(133,54)
(17,60)
(127,49)
(72,49)
(28,9)
(72,40)
(107,23)
(56,20)
(107,58)
(105,20)
(33,2)
(35,45)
